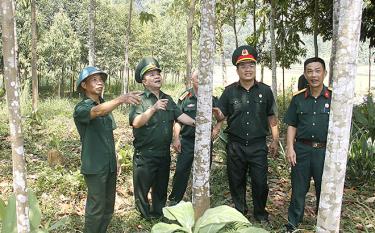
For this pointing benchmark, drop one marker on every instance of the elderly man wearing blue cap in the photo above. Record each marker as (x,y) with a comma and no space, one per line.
(249,107)
(95,126)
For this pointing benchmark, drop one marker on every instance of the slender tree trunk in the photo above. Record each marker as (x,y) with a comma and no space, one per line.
(263,42)
(254,19)
(335,26)
(92,7)
(273,47)
(284,88)
(201,167)
(316,11)
(189,42)
(344,72)
(125,86)
(222,55)
(34,74)
(15,124)
(369,69)
(235,22)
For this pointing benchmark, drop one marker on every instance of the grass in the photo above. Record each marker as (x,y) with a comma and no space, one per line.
(61,190)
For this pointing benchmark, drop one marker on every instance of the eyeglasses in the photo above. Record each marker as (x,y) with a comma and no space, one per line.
(247,65)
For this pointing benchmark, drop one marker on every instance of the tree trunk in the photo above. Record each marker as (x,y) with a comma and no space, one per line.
(15,123)
(315,24)
(222,55)
(273,48)
(335,26)
(369,69)
(263,42)
(235,22)
(254,19)
(189,42)
(92,33)
(344,72)
(201,167)
(34,74)
(125,85)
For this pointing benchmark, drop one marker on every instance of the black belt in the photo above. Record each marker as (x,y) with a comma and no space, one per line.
(312,143)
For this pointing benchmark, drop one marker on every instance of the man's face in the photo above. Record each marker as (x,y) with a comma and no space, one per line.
(315,73)
(152,79)
(246,70)
(94,84)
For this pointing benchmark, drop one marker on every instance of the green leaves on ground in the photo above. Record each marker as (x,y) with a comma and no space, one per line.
(213,220)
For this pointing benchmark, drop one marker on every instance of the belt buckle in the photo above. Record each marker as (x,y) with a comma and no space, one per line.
(315,144)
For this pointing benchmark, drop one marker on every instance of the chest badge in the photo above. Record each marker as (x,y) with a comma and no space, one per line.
(326,105)
(190,105)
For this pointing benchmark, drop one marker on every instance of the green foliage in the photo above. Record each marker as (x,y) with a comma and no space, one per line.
(361,163)
(65,182)
(9,217)
(213,220)
(125,156)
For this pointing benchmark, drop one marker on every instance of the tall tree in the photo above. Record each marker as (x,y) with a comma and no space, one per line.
(92,10)
(34,75)
(344,72)
(189,41)
(125,85)
(273,46)
(315,27)
(201,167)
(13,102)
(335,26)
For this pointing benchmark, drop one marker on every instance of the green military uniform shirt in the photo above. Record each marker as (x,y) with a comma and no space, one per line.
(188,104)
(310,115)
(98,147)
(156,134)
(247,111)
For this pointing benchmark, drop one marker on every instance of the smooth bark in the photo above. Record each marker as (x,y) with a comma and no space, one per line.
(344,72)
(15,124)
(201,165)
(125,84)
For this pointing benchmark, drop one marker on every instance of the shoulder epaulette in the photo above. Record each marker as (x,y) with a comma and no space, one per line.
(299,92)
(182,97)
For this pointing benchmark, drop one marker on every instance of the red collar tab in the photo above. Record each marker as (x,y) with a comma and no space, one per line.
(327,95)
(306,93)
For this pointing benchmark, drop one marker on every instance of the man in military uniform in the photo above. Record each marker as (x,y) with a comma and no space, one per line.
(249,107)
(307,118)
(184,139)
(95,126)
(152,123)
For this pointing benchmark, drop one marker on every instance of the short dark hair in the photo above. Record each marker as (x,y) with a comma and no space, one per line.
(314,59)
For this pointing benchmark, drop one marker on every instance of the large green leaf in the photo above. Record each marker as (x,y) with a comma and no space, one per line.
(2,209)
(219,215)
(252,230)
(183,212)
(35,213)
(212,228)
(10,219)
(162,227)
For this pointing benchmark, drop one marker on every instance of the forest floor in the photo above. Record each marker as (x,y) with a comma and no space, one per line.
(61,191)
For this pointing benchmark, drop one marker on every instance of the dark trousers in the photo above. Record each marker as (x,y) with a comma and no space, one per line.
(151,171)
(183,169)
(100,201)
(242,159)
(310,163)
